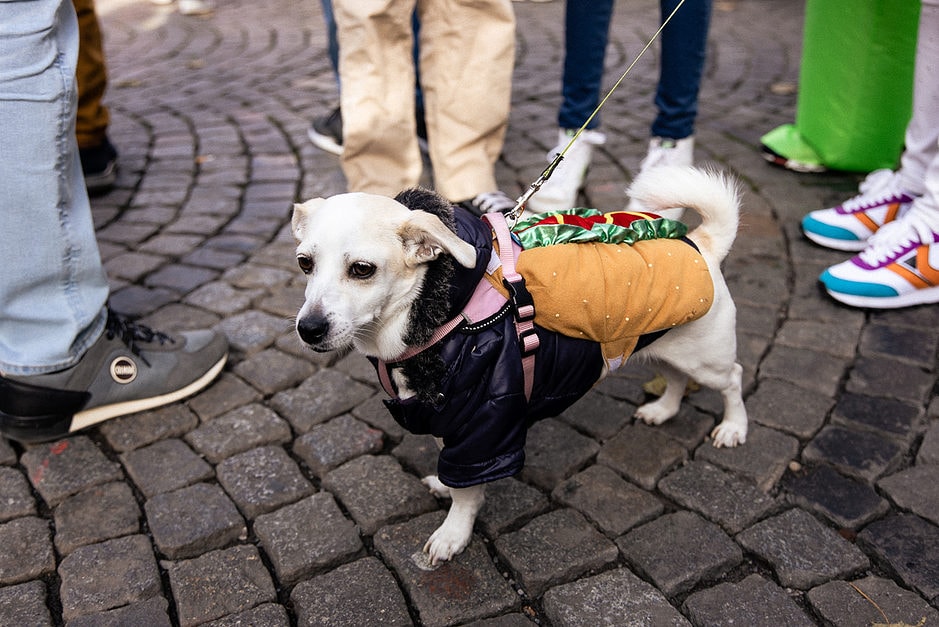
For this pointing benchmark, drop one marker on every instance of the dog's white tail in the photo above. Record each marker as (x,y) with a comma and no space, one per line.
(713,195)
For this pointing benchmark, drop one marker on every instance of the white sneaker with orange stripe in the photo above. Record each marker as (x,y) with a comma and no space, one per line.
(899,268)
(849,225)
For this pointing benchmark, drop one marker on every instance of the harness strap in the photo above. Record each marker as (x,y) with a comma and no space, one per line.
(522,302)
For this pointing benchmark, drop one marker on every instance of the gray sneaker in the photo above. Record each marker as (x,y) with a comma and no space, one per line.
(130,368)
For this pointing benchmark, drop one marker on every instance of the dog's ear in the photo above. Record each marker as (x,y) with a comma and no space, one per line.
(301,216)
(425,238)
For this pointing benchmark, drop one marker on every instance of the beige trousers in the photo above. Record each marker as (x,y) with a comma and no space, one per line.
(467,53)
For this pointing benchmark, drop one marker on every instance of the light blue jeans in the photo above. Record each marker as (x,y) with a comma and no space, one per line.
(52,285)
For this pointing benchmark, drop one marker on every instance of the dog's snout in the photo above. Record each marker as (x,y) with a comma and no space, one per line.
(312,329)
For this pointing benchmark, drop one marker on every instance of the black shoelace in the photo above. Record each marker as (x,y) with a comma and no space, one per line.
(129,332)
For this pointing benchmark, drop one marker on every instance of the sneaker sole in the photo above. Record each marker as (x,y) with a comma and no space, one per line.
(325,142)
(853,246)
(95,415)
(925,296)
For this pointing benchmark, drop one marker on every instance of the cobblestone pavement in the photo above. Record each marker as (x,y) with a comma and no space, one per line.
(284,494)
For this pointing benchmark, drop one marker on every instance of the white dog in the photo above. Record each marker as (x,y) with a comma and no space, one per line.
(384,275)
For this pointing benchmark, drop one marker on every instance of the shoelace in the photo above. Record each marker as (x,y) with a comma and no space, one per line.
(130,333)
(895,237)
(488,202)
(875,188)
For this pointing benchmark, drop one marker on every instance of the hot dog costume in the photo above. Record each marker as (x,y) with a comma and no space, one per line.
(602,285)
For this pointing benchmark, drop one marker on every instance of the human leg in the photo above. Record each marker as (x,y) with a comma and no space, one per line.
(66,362)
(900,264)
(467,54)
(376,67)
(586,30)
(98,155)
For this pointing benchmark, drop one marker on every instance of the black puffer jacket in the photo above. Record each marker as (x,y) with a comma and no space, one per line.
(481,412)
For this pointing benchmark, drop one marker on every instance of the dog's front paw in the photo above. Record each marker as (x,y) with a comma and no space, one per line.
(436,487)
(447,541)
(654,413)
(728,435)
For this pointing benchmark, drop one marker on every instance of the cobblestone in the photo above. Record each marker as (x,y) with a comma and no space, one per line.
(286,494)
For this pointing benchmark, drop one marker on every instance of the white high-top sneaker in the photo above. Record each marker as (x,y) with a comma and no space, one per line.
(665,151)
(559,192)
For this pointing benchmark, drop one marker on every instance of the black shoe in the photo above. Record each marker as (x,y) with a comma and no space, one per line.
(130,368)
(99,165)
(326,132)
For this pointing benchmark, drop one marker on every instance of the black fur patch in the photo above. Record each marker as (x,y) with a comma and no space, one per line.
(426,370)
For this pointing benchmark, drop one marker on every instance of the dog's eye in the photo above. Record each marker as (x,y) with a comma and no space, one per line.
(361,270)
(306,264)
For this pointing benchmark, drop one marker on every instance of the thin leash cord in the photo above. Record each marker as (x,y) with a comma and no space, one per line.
(536,185)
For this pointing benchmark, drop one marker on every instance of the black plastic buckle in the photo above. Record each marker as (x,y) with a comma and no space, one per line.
(521,299)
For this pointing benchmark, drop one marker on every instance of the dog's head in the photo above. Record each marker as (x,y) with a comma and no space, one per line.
(366,257)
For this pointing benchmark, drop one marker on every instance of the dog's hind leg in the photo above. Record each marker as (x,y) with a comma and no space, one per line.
(457,529)
(667,405)
(732,429)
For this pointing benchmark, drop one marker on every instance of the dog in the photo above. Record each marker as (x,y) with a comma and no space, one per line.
(384,274)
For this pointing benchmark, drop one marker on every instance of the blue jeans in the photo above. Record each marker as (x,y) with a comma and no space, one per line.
(587,25)
(52,286)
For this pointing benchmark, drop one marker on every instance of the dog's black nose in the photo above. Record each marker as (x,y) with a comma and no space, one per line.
(312,329)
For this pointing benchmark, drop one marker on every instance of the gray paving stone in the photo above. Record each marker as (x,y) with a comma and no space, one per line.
(165,466)
(553,452)
(253,331)
(27,550)
(915,346)
(598,416)
(219,583)
(763,458)
(614,598)
(97,514)
(238,431)
(66,467)
(228,392)
(333,443)
(906,382)
(696,550)
(843,604)
(221,298)
(139,430)
(835,338)
(322,396)
(801,551)
(805,368)
(16,499)
(909,547)
(468,587)
(262,480)
(266,615)
(611,503)
(915,489)
(625,384)
(151,612)
(929,448)
(554,548)
(719,496)
(897,419)
(859,454)
(418,454)
(139,301)
(193,520)
(271,371)
(7,454)
(25,604)
(691,426)
(307,537)
(361,594)
(377,492)
(786,407)
(179,278)
(641,454)
(125,571)
(753,601)
(847,503)
(509,504)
